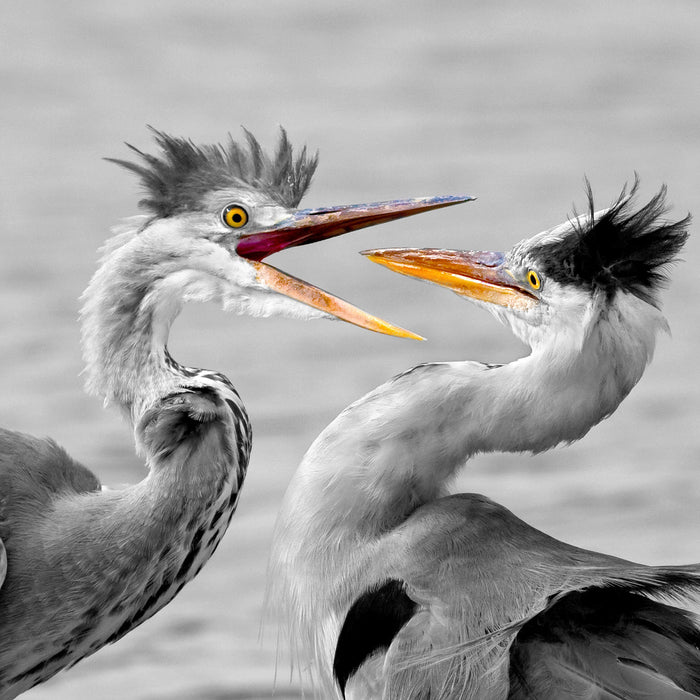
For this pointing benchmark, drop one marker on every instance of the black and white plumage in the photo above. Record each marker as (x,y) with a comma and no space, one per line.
(80,566)
(625,250)
(393,589)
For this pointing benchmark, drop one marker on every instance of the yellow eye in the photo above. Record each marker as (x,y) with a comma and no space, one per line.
(234,216)
(534,279)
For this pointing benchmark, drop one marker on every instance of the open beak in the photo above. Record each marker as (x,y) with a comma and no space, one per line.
(312,225)
(478,275)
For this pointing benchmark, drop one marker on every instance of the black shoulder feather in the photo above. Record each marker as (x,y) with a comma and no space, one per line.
(370,626)
(177,179)
(622,249)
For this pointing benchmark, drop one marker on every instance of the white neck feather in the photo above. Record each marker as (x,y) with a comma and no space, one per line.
(130,305)
(398,447)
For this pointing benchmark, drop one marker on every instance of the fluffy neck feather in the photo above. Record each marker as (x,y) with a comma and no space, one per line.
(130,304)
(398,447)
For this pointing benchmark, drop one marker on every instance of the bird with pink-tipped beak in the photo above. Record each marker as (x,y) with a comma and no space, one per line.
(80,566)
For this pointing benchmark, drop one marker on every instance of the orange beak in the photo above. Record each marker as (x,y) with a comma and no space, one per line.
(312,225)
(478,275)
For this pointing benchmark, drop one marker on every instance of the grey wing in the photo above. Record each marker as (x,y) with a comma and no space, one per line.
(605,643)
(464,580)
(33,471)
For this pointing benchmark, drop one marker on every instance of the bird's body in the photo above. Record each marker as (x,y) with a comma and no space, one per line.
(83,565)
(491,608)
(133,548)
(390,587)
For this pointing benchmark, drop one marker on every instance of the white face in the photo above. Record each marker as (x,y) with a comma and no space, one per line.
(248,293)
(569,311)
(561,310)
(222,248)
(206,246)
(260,212)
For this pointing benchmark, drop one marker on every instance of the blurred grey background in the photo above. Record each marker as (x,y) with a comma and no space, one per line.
(512,102)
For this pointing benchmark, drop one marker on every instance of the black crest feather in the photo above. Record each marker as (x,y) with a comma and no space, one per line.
(177,178)
(622,249)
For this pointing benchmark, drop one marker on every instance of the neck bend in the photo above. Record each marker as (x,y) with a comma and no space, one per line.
(398,448)
(98,563)
(190,424)
(130,305)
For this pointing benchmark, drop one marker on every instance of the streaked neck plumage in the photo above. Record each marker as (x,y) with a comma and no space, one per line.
(398,447)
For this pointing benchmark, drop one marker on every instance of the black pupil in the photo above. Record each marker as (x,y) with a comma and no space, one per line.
(237,218)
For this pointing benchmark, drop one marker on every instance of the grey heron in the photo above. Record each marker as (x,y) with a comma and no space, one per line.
(391,588)
(80,566)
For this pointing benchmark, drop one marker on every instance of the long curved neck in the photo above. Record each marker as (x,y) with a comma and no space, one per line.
(398,447)
(130,304)
(96,563)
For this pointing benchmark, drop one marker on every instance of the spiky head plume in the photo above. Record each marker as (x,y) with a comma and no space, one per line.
(619,249)
(177,179)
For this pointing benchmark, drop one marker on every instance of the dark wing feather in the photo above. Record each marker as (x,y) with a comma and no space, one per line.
(370,627)
(606,643)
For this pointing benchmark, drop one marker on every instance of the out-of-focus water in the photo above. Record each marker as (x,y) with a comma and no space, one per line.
(512,102)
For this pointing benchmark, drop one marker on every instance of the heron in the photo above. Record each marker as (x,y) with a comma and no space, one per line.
(80,565)
(391,587)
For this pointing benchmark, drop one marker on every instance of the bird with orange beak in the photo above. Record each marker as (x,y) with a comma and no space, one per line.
(392,588)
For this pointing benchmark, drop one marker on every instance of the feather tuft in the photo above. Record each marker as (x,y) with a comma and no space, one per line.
(178,178)
(617,249)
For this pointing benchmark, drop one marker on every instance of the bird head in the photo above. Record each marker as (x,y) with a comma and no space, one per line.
(603,264)
(219,211)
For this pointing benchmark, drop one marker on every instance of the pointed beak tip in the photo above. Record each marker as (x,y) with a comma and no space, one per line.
(373,254)
(444,200)
(454,199)
(412,336)
(398,332)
